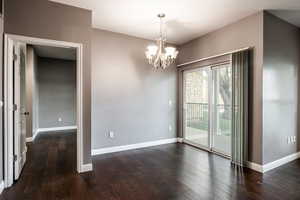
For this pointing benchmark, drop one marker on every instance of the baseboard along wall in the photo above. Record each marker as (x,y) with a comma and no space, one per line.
(86,167)
(133,146)
(272,165)
(251,165)
(51,129)
(1,186)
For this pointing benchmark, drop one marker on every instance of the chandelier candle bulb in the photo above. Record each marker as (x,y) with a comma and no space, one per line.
(158,55)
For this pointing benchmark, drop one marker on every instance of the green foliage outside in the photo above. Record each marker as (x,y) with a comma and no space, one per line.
(224,125)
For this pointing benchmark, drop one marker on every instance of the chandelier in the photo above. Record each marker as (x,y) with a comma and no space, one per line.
(159,55)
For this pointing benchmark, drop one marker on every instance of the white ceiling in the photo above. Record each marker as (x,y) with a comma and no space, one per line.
(55,52)
(185,19)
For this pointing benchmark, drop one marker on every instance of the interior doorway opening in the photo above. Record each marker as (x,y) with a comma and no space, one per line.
(23,103)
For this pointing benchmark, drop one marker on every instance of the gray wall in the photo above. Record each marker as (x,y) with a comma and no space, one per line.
(280,87)
(57,92)
(246,32)
(31,93)
(129,97)
(45,19)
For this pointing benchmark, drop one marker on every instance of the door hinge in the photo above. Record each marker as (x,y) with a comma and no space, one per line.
(15,107)
(15,158)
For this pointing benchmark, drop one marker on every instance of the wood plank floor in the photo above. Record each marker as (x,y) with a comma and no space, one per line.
(167,172)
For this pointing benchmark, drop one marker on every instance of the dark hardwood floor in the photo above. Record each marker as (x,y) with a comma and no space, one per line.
(167,172)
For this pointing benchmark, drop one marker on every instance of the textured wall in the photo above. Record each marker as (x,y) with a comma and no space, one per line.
(280,87)
(57,92)
(129,97)
(244,33)
(45,19)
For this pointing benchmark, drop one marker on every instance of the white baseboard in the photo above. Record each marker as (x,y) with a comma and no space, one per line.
(180,140)
(62,128)
(255,166)
(86,168)
(133,146)
(1,186)
(31,139)
(279,162)
(39,130)
(272,165)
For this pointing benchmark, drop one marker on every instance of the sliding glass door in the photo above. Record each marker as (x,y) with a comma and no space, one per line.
(197,107)
(221,109)
(207,108)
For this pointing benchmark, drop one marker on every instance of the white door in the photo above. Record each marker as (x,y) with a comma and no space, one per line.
(19,108)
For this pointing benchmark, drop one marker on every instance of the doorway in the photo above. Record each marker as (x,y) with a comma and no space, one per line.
(208,108)
(14,136)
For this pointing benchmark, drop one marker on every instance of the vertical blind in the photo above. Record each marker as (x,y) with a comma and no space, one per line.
(240,65)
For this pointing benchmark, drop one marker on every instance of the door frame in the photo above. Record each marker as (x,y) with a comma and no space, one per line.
(210,68)
(8,99)
(206,148)
(216,67)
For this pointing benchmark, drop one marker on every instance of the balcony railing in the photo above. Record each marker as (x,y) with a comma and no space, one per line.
(197,116)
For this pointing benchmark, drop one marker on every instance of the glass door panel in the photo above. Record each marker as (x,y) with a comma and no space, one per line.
(196,104)
(221,109)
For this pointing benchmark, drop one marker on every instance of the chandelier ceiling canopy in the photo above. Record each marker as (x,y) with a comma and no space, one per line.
(160,55)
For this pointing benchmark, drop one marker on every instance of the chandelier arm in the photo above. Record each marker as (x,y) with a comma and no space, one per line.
(161,56)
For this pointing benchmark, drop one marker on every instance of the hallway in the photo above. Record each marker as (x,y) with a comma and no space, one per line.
(165,172)
(50,169)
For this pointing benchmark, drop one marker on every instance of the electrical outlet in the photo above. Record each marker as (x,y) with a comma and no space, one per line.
(170,103)
(291,139)
(111,134)
(60,119)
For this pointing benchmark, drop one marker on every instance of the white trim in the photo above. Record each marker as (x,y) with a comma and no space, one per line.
(31,139)
(1,187)
(180,140)
(133,146)
(62,128)
(8,113)
(255,166)
(281,161)
(272,165)
(8,134)
(87,167)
